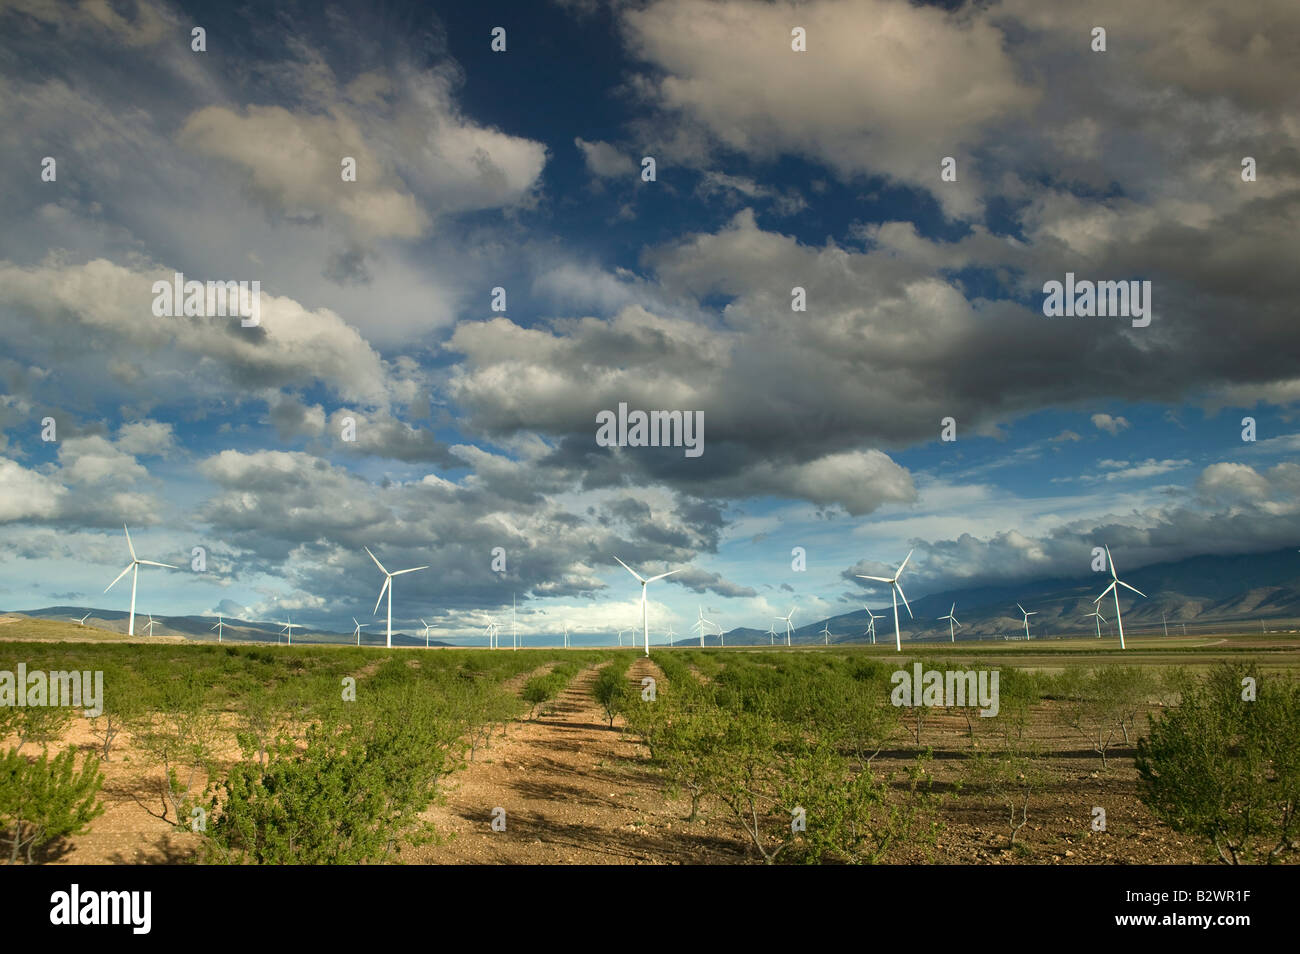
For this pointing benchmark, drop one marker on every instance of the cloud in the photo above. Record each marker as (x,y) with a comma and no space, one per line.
(604,161)
(1111,425)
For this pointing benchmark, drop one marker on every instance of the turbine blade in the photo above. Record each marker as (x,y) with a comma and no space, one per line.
(630,570)
(382,590)
(662,575)
(903,564)
(1104,592)
(878,579)
(375,558)
(411,570)
(130,546)
(1111,561)
(902,594)
(1133,588)
(1019,607)
(119,576)
(152,563)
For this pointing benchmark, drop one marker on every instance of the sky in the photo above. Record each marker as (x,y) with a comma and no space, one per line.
(523,169)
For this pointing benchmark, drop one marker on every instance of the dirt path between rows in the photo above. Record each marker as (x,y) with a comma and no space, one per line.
(574,791)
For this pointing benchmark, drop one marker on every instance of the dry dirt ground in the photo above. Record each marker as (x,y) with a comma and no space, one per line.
(576,791)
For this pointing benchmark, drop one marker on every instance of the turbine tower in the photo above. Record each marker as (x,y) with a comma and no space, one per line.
(871,625)
(645,625)
(1100,619)
(134,569)
(1027,615)
(388,587)
(951,618)
(1115,584)
(357,632)
(895,591)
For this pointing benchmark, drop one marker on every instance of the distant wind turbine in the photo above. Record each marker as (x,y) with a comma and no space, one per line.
(1100,619)
(82,621)
(357,632)
(388,587)
(219,627)
(134,569)
(826,633)
(789,626)
(289,624)
(895,591)
(951,618)
(426,632)
(1115,584)
(514,625)
(671,634)
(871,625)
(771,634)
(701,623)
(566,634)
(645,625)
(1027,615)
(150,625)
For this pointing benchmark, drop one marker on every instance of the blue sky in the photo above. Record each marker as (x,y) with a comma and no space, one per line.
(521,170)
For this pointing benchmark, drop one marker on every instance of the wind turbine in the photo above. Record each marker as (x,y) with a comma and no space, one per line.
(82,621)
(491,630)
(219,627)
(1164,621)
(514,625)
(871,625)
(1100,619)
(895,591)
(1027,615)
(150,625)
(826,633)
(1115,584)
(426,632)
(289,624)
(134,569)
(789,627)
(620,635)
(566,634)
(700,624)
(671,634)
(951,618)
(645,625)
(388,586)
(357,632)
(771,634)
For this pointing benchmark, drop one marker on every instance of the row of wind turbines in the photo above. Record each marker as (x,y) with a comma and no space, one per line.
(493,629)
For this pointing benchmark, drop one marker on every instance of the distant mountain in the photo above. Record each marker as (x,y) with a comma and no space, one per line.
(199,628)
(1199,592)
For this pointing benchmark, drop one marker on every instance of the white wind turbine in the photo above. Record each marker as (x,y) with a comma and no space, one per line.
(1115,584)
(895,591)
(871,623)
(620,635)
(645,625)
(357,632)
(134,569)
(951,618)
(82,621)
(771,634)
(1027,615)
(289,625)
(671,634)
(514,625)
(1100,619)
(150,625)
(426,632)
(388,587)
(566,634)
(789,626)
(701,623)
(491,630)
(826,633)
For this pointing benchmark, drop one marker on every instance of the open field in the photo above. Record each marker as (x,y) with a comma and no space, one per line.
(523,734)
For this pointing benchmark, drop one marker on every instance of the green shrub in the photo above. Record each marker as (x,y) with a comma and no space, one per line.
(46,800)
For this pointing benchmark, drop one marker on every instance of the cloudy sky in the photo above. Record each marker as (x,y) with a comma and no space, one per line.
(522,169)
